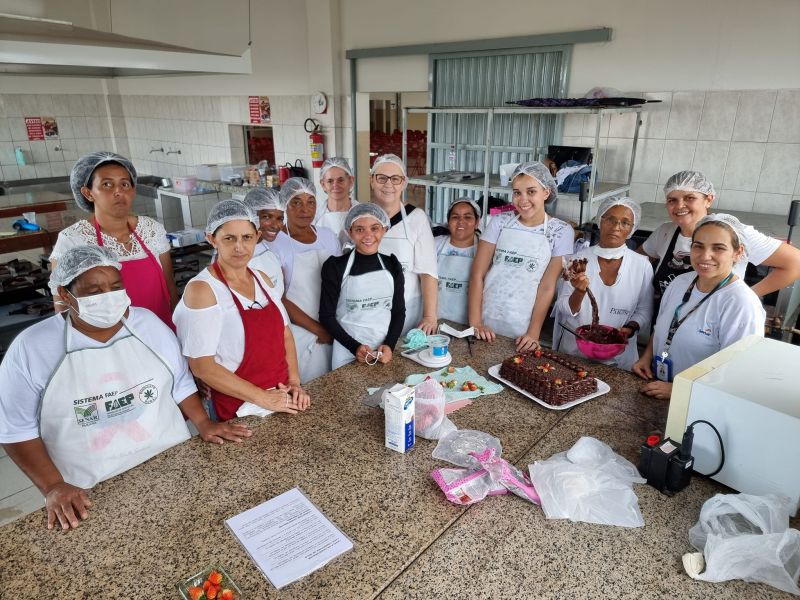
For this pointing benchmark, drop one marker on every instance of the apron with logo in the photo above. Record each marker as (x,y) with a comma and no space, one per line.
(106,410)
(397,242)
(520,260)
(264,357)
(313,359)
(143,279)
(364,309)
(453,286)
(668,269)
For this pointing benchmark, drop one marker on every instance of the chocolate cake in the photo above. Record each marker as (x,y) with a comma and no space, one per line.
(551,377)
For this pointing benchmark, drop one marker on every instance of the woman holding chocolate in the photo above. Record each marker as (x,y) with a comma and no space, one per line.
(620,281)
(702,311)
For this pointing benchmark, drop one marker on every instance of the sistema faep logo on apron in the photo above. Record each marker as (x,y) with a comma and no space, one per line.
(87,415)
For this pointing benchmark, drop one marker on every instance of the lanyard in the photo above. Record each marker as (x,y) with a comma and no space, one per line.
(673,327)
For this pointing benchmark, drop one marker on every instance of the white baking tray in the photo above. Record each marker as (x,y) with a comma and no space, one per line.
(602,388)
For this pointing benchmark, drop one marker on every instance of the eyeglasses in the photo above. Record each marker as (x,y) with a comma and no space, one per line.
(613,223)
(255,304)
(395,179)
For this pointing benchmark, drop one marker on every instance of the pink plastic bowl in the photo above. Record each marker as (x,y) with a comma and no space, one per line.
(596,351)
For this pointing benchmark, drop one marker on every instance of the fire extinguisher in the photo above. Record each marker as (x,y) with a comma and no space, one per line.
(316,142)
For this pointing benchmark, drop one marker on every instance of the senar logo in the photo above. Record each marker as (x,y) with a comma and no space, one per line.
(86,415)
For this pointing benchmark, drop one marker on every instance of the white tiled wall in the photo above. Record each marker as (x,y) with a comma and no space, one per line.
(747,142)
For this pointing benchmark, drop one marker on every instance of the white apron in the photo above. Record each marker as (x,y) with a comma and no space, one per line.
(453,287)
(396,242)
(267,261)
(313,359)
(364,309)
(520,260)
(106,410)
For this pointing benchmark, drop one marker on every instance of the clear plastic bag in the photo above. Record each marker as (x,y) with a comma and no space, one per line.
(746,537)
(588,483)
(430,421)
(467,486)
(456,447)
(506,474)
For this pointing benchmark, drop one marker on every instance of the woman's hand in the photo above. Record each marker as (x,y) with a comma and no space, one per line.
(217,433)
(66,503)
(279,400)
(642,367)
(299,396)
(580,282)
(482,332)
(527,342)
(386,354)
(363,352)
(660,390)
(428,325)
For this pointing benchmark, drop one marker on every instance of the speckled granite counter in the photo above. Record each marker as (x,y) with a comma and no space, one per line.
(163,520)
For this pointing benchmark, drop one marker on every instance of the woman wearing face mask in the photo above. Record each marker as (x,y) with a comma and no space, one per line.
(302,250)
(96,389)
(619,278)
(233,328)
(104,184)
(336,179)
(266,204)
(410,239)
(454,255)
(689,195)
(362,292)
(703,311)
(518,262)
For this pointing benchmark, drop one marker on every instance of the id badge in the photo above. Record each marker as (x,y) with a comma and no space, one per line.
(662,368)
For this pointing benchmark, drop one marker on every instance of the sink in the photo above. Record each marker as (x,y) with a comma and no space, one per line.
(147,185)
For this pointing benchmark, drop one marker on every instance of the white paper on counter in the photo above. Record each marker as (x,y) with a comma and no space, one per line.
(248,409)
(445,328)
(288,537)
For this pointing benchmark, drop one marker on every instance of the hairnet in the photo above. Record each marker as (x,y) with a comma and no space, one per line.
(78,260)
(335,161)
(469,201)
(295,186)
(229,210)
(82,171)
(734,223)
(365,209)
(628,203)
(388,158)
(541,174)
(263,199)
(689,181)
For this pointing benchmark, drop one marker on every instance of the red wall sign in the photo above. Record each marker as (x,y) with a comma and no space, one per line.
(35,128)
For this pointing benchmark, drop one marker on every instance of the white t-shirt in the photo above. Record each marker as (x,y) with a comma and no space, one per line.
(37,351)
(332,220)
(732,313)
(418,230)
(445,248)
(559,234)
(217,330)
(266,261)
(286,248)
(758,247)
(629,298)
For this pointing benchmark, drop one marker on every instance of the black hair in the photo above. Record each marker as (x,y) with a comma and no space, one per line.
(460,201)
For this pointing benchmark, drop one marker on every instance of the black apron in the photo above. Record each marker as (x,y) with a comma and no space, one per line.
(668,269)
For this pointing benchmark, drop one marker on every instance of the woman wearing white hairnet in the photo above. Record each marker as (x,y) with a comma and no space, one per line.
(689,195)
(620,279)
(454,256)
(266,204)
(302,250)
(703,311)
(362,302)
(518,262)
(233,327)
(104,184)
(410,239)
(336,179)
(96,390)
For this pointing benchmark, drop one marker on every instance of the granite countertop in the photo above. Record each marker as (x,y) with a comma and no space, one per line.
(162,521)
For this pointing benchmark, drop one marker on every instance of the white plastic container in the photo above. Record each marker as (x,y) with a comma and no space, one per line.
(207,172)
(184,184)
(398,410)
(505,172)
(439,345)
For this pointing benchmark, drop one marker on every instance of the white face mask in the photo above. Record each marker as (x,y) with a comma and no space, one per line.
(103,310)
(609,253)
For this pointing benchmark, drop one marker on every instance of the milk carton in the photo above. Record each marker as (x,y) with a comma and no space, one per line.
(398,409)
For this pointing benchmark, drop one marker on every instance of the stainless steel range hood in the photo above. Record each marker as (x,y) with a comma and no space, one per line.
(35,46)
